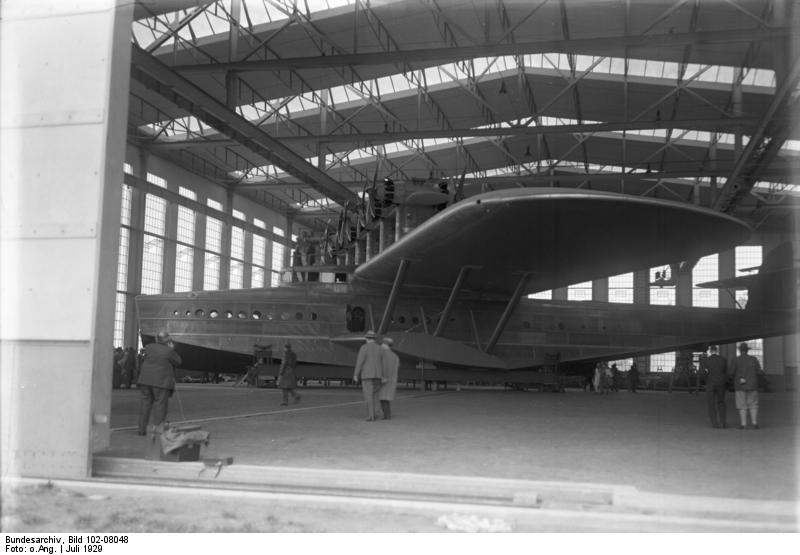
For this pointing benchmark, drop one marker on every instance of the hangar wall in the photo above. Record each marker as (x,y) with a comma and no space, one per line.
(65,77)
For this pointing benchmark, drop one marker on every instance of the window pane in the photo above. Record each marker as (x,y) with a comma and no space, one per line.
(662,362)
(664,296)
(620,289)
(152,264)
(122,264)
(580,291)
(211,273)
(185,225)
(119,321)
(155,210)
(214,235)
(746,257)
(706,269)
(184,268)
(545,295)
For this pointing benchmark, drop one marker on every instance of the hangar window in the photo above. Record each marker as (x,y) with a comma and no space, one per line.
(580,291)
(242,314)
(706,269)
(213,314)
(256,315)
(199,312)
(545,295)
(620,288)
(746,257)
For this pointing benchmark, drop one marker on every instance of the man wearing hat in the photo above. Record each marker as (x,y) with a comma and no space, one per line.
(370,371)
(287,380)
(746,369)
(157,380)
(390,362)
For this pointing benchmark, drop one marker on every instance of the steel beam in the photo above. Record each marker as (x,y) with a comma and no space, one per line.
(512,304)
(451,301)
(398,282)
(162,79)
(423,55)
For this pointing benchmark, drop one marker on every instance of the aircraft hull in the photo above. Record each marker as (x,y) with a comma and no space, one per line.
(220,330)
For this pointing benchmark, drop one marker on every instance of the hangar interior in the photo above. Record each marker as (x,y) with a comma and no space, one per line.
(217,134)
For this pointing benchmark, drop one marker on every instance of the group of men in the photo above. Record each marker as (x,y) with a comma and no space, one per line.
(744,371)
(376,368)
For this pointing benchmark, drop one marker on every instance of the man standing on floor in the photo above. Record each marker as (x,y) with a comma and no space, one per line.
(716,368)
(287,378)
(370,371)
(157,380)
(745,380)
(390,362)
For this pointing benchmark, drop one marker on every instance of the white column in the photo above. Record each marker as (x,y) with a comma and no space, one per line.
(64,82)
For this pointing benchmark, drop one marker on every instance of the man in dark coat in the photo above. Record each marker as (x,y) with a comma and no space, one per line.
(287,379)
(157,380)
(716,368)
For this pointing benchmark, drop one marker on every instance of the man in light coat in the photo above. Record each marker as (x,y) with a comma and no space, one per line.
(390,362)
(369,371)
(745,381)
(157,380)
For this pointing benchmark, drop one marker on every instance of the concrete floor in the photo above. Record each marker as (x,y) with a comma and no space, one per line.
(656,441)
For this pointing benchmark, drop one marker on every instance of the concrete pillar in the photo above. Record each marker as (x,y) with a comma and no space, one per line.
(727,269)
(62,142)
(560,294)
(600,290)
(641,287)
(199,259)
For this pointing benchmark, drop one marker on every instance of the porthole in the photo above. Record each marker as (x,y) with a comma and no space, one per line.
(175,313)
(298,316)
(285,316)
(256,315)
(313,315)
(228,314)
(199,312)
(188,313)
(242,315)
(561,325)
(415,320)
(270,316)
(213,314)
(526,325)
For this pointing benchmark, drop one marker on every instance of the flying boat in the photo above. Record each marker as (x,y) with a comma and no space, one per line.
(453,293)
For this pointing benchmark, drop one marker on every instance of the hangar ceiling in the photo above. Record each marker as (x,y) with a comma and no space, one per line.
(302,105)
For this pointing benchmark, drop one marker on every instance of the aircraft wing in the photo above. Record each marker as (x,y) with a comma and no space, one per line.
(558,237)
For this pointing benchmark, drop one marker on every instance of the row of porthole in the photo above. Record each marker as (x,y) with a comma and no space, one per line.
(242,315)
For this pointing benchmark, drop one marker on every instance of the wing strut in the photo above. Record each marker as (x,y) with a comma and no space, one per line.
(398,281)
(512,303)
(451,301)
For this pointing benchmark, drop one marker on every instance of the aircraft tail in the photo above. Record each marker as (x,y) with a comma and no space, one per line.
(776,285)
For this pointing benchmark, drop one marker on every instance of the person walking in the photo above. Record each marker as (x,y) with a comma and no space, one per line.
(287,379)
(370,372)
(746,369)
(157,380)
(716,369)
(390,363)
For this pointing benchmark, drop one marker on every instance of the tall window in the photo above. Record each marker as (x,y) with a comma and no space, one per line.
(620,289)
(580,291)
(706,269)
(277,258)
(747,258)
(213,249)
(662,362)
(258,256)
(237,258)
(120,304)
(662,295)
(184,249)
(155,211)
